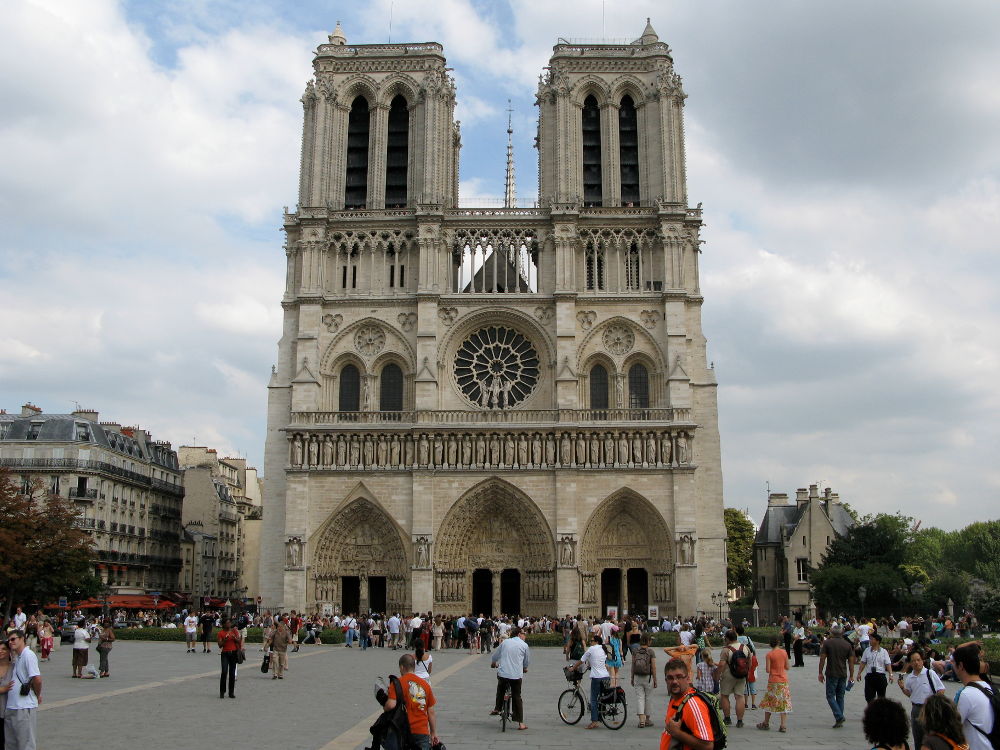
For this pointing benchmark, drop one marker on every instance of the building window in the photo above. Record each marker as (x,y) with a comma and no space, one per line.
(633,261)
(397,155)
(802,570)
(356,187)
(595,267)
(391,388)
(763,583)
(33,429)
(638,387)
(4,429)
(803,540)
(592,188)
(350,389)
(54,484)
(628,151)
(598,387)
(25,484)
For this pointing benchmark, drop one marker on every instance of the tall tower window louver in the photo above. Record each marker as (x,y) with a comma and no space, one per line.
(628,152)
(397,153)
(598,387)
(350,389)
(356,187)
(592,190)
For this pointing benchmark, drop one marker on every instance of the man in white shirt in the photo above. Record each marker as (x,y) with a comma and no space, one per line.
(606,627)
(352,630)
(876,665)
(190,632)
(21,720)
(393,625)
(973,702)
(863,630)
(19,619)
(415,624)
(511,659)
(918,686)
(686,635)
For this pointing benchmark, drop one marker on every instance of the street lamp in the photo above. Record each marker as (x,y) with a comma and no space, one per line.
(862,593)
(719,599)
(756,614)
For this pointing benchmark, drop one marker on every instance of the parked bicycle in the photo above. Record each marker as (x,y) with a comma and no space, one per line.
(573,702)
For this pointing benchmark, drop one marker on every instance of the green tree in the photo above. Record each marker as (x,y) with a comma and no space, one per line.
(44,554)
(836,588)
(986,605)
(881,539)
(927,549)
(976,549)
(740,533)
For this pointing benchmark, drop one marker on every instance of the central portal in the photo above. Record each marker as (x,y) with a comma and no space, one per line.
(611,590)
(482,592)
(510,592)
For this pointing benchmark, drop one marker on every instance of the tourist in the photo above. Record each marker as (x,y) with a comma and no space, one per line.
(81,647)
(778,698)
(230,643)
(786,634)
(511,660)
(21,717)
(614,661)
(877,667)
(798,641)
(392,624)
(207,622)
(644,678)
(350,625)
(919,685)
(836,655)
(486,634)
(278,643)
(746,640)
(376,634)
(941,724)
(418,700)
(105,641)
(575,647)
(364,631)
(595,657)
(688,721)
(190,632)
(6,668)
(423,662)
(973,700)
(730,684)
(46,639)
(704,675)
(885,724)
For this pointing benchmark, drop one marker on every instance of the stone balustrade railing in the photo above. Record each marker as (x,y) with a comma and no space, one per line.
(490,416)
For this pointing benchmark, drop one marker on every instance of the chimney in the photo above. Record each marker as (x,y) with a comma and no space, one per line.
(30,410)
(777,498)
(826,492)
(88,414)
(813,491)
(801,495)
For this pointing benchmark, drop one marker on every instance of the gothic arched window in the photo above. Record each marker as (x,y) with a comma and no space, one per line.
(638,387)
(598,387)
(628,151)
(595,267)
(350,389)
(397,153)
(632,263)
(592,190)
(390,392)
(356,178)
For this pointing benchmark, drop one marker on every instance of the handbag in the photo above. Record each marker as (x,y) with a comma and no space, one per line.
(267,661)
(241,656)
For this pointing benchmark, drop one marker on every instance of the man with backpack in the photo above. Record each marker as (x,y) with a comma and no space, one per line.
(978,702)
(418,702)
(644,677)
(734,666)
(692,718)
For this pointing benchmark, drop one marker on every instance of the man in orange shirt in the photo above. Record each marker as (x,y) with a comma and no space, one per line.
(692,728)
(418,699)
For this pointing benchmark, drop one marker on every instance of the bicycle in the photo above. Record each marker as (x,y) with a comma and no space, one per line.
(506,712)
(573,702)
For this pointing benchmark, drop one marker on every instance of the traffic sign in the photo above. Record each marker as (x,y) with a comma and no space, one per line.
(62,602)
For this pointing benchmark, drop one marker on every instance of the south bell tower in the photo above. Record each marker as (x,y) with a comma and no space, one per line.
(499,410)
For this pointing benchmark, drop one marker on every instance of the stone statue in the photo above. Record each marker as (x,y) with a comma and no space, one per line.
(422,554)
(665,449)
(355,451)
(293,552)
(452,456)
(536,449)
(595,449)
(566,552)
(522,450)
(685,550)
(423,454)
(609,449)
(394,451)
(623,450)
(369,448)
(408,451)
(619,392)
(366,393)
(313,452)
(683,456)
(565,449)
(341,451)
(508,450)
(438,451)
(327,451)
(466,450)
(382,450)
(637,449)
(650,449)
(550,449)
(297,451)
(480,450)
(581,449)
(494,449)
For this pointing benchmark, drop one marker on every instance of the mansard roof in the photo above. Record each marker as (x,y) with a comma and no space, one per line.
(780,521)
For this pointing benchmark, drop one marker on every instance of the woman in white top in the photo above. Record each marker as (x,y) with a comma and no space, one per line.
(876,665)
(424,663)
(596,658)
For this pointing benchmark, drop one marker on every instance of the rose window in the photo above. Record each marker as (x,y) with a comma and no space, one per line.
(369,340)
(496,368)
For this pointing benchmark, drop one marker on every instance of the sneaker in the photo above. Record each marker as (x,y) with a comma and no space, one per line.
(838,724)
(739,723)
(727,721)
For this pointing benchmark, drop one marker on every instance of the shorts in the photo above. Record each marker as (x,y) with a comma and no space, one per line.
(80,657)
(729,685)
(190,636)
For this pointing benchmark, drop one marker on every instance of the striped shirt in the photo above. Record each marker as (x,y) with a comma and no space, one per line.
(695,718)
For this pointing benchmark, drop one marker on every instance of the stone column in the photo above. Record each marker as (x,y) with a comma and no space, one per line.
(377,155)
(496,593)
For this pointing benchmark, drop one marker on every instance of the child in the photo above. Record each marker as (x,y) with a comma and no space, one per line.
(704,678)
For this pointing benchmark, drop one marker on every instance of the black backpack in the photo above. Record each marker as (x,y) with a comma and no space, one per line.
(392,724)
(714,716)
(991,694)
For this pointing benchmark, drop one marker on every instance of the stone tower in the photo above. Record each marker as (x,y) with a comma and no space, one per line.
(499,410)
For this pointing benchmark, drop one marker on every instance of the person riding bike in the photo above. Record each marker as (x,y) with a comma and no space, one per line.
(511,660)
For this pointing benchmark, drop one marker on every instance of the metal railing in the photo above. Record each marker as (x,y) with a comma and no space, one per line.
(82,494)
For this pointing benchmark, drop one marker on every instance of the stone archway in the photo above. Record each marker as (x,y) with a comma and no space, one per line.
(494,539)
(360,557)
(626,556)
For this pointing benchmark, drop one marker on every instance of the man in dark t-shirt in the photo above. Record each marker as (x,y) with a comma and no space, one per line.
(207,622)
(837,656)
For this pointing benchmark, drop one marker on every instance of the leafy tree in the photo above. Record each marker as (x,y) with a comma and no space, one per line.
(986,605)
(44,554)
(976,549)
(927,549)
(740,533)
(835,588)
(947,584)
(877,539)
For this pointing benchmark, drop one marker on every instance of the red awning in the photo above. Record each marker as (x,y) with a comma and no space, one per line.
(124,601)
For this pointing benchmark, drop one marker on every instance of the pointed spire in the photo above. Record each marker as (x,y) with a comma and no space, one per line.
(510,187)
(649,35)
(337,37)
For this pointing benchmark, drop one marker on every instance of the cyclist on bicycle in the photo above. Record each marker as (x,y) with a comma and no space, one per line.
(596,658)
(511,661)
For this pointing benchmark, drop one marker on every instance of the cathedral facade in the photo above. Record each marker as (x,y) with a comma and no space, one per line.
(500,410)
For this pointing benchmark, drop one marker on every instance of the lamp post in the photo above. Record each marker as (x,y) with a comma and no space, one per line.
(756,614)
(719,599)
(862,593)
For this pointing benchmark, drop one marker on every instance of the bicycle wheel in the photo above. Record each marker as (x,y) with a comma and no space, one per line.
(614,714)
(571,705)
(505,713)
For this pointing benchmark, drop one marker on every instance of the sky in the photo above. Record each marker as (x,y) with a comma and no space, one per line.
(847,155)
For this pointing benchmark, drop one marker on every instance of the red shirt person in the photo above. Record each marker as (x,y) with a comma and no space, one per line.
(688,720)
(419,701)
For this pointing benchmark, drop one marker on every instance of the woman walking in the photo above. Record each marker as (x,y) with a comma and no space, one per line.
(942,725)
(104,643)
(81,648)
(777,699)
(575,648)
(423,662)
(230,643)
(437,631)
(798,640)
(46,639)
(644,678)
(615,661)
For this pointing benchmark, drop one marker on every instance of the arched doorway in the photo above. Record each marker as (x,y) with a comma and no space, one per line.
(626,557)
(494,546)
(360,563)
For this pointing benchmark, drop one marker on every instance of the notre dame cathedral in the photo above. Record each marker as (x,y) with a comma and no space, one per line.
(500,410)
